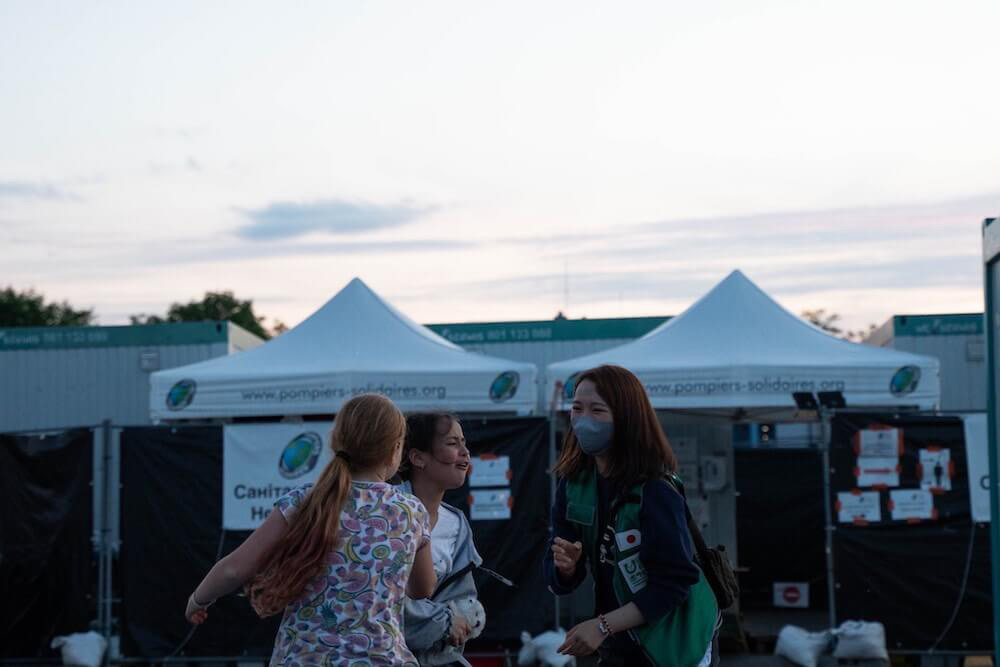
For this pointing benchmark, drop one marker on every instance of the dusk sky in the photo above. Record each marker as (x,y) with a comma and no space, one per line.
(492,161)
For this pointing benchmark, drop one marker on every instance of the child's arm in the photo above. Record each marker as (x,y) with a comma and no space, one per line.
(422,578)
(239,567)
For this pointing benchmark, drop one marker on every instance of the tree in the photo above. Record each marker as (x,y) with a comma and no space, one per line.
(28,309)
(827,322)
(861,334)
(214,306)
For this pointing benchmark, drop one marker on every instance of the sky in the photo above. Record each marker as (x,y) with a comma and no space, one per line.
(499,161)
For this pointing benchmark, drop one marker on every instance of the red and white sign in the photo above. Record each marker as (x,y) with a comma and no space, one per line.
(791,594)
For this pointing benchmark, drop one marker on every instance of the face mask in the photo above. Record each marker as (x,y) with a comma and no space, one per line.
(594,436)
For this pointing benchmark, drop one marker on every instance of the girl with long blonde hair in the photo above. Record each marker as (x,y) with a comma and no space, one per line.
(339,557)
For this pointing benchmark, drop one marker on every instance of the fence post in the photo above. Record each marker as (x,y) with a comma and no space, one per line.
(104,562)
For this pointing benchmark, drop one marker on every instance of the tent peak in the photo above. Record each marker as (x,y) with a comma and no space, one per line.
(357,282)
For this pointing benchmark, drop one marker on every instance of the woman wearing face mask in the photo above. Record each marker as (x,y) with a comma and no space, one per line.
(617,514)
(436,460)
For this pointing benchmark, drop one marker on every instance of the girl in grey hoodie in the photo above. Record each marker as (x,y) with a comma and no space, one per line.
(435,460)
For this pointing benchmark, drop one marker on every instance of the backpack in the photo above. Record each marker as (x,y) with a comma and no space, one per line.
(713,562)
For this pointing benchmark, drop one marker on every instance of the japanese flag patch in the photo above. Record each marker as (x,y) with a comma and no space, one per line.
(629,539)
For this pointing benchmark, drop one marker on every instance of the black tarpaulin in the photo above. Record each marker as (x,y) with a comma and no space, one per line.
(910,576)
(47,563)
(171,529)
(514,547)
(779,523)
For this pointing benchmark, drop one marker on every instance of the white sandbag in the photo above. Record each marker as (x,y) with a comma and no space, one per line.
(860,639)
(543,649)
(83,649)
(801,646)
(529,652)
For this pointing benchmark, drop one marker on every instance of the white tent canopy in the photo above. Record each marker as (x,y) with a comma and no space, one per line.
(355,343)
(737,348)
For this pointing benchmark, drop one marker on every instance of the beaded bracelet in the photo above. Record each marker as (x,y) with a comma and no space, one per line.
(604,626)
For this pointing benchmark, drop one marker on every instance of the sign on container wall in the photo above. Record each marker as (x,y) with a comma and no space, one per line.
(976,439)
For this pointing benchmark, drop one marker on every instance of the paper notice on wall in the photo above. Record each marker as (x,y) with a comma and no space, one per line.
(877,471)
(859,507)
(688,472)
(490,471)
(910,504)
(936,469)
(490,504)
(262,462)
(685,449)
(700,511)
(880,442)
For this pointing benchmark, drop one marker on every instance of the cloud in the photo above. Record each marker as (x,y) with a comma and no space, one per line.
(255,251)
(803,257)
(43,191)
(777,230)
(282,220)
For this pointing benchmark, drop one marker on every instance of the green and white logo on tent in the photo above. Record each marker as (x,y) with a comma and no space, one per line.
(905,381)
(181,395)
(504,386)
(300,455)
(569,386)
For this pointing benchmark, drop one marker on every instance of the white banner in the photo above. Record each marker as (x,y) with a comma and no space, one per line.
(976,442)
(262,462)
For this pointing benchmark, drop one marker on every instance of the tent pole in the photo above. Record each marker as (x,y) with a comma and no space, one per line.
(552,482)
(106,531)
(97,484)
(827,438)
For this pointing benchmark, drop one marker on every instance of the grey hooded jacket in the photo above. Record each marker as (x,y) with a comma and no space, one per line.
(427,622)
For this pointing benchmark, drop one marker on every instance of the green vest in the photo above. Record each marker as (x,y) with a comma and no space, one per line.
(681,637)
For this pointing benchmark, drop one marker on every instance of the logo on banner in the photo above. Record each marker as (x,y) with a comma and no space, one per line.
(300,455)
(181,395)
(904,381)
(504,386)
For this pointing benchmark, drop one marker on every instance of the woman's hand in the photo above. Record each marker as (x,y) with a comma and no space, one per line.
(195,613)
(460,630)
(566,555)
(583,639)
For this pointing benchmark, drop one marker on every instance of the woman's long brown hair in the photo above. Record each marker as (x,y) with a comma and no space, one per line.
(365,434)
(639,450)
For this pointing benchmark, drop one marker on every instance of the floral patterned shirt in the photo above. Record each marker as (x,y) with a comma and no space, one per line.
(352,614)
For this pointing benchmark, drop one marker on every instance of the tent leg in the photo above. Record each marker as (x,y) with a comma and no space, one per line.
(552,499)
(104,562)
(827,439)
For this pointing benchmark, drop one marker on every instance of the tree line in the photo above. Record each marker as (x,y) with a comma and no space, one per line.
(28,308)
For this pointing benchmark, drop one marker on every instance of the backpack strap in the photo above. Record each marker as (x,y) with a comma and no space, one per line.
(700,548)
